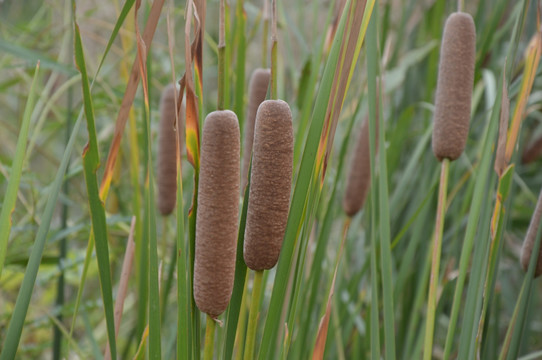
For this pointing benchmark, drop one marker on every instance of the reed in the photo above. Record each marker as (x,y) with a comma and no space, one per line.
(454,87)
(167,162)
(450,131)
(270,185)
(532,152)
(217,214)
(359,176)
(530,238)
(257,89)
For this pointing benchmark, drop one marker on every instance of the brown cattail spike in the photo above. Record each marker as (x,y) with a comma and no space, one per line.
(530,238)
(454,88)
(532,152)
(359,177)
(270,185)
(259,82)
(217,214)
(167,162)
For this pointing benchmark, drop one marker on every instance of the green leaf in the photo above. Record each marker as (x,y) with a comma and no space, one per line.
(35,56)
(91,161)
(8,204)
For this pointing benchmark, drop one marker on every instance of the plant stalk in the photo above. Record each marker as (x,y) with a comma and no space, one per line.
(253,315)
(209,339)
(274,76)
(221,57)
(63,245)
(265,33)
(437,246)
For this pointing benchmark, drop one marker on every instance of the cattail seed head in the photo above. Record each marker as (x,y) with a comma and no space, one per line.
(270,185)
(454,88)
(257,90)
(167,150)
(217,213)
(530,238)
(359,177)
(532,152)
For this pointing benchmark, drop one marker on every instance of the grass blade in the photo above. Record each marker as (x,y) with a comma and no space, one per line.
(123,285)
(16,324)
(34,56)
(91,161)
(307,167)
(375,108)
(234,307)
(8,205)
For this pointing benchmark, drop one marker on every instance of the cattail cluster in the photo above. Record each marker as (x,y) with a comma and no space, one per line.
(270,185)
(530,238)
(217,213)
(359,176)
(454,87)
(167,150)
(257,90)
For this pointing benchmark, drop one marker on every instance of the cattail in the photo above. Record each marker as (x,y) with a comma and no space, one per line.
(359,177)
(530,238)
(259,82)
(270,185)
(532,152)
(454,88)
(217,214)
(167,162)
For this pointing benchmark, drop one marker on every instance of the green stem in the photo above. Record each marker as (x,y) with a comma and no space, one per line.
(166,289)
(209,339)
(274,94)
(437,245)
(63,245)
(221,77)
(274,76)
(184,294)
(265,34)
(239,105)
(253,316)
(241,325)
(221,57)
(195,322)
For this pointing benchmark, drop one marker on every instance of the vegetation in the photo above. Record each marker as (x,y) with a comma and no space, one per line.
(90,267)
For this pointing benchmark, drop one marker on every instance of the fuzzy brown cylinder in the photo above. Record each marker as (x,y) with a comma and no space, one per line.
(454,87)
(217,214)
(270,185)
(532,152)
(167,162)
(530,238)
(359,176)
(257,90)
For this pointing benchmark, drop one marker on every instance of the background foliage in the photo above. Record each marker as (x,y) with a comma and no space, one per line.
(56,281)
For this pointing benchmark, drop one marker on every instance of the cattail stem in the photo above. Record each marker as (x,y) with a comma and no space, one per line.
(265,32)
(274,94)
(253,315)
(240,44)
(164,290)
(165,230)
(209,339)
(221,57)
(436,249)
(460,5)
(241,325)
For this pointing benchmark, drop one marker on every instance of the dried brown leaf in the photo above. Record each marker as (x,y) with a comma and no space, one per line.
(123,284)
(128,99)
(500,159)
